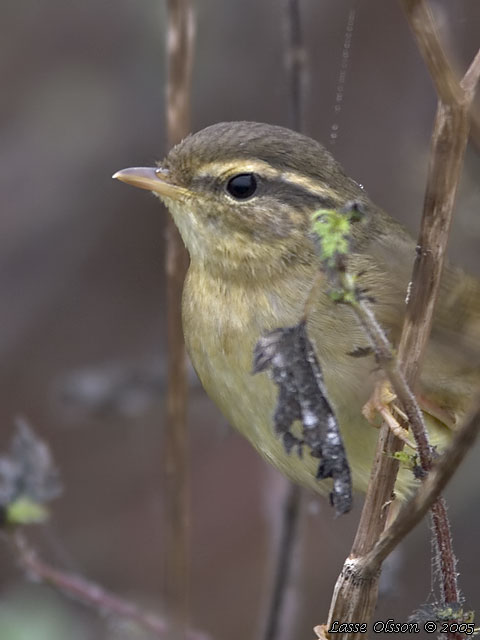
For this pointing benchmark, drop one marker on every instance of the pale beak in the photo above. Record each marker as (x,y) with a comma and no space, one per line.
(152,179)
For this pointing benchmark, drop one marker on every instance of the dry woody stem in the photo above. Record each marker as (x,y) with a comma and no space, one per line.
(295,59)
(416,508)
(180,42)
(90,593)
(296,69)
(356,593)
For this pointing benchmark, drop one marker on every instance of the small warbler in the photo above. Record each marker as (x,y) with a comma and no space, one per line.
(242,195)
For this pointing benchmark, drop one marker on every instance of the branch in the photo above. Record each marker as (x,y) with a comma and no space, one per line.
(415,509)
(470,80)
(422,23)
(389,364)
(469,84)
(89,593)
(355,597)
(284,561)
(449,141)
(180,42)
(295,64)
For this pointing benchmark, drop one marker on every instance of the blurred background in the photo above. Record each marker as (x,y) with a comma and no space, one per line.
(82,320)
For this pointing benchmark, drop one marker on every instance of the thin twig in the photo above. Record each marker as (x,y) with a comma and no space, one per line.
(388,362)
(355,595)
(471,78)
(475,127)
(474,135)
(469,85)
(90,593)
(180,42)
(449,141)
(416,508)
(291,512)
(295,64)
(422,23)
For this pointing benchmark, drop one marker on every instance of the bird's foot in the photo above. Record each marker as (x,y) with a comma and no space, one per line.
(382,402)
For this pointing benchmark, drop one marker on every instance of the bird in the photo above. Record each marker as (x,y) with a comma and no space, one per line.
(242,195)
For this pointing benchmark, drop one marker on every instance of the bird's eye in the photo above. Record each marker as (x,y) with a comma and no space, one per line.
(242,186)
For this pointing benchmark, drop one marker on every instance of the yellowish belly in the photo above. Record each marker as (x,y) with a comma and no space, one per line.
(220,344)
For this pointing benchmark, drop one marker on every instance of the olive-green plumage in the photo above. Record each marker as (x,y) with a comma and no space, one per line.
(252,267)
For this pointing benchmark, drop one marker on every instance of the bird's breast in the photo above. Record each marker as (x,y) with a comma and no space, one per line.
(222,324)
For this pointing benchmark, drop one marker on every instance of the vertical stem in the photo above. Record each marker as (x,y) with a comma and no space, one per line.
(180,39)
(444,174)
(355,599)
(295,58)
(443,539)
(295,62)
(291,513)
(449,141)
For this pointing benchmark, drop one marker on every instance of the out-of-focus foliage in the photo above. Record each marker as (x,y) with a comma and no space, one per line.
(28,477)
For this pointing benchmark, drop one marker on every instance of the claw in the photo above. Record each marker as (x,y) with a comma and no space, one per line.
(382,402)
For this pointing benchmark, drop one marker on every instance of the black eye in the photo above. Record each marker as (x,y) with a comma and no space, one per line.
(242,186)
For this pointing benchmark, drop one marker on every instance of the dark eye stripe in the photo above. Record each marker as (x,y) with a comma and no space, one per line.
(289,191)
(295,195)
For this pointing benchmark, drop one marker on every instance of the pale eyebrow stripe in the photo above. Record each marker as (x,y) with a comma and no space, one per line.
(227,169)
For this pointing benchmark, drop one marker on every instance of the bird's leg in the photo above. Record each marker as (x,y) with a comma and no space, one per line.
(382,402)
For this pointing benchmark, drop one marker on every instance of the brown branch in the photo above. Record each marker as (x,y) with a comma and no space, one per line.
(449,141)
(284,560)
(474,134)
(356,593)
(471,78)
(295,65)
(180,42)
(422,23)
(90,593)
(364,570)
(295,62)
(416,508)
(388,362)
(475,127)
(469,84)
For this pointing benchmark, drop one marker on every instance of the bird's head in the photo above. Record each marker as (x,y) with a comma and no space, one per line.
(242,193)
